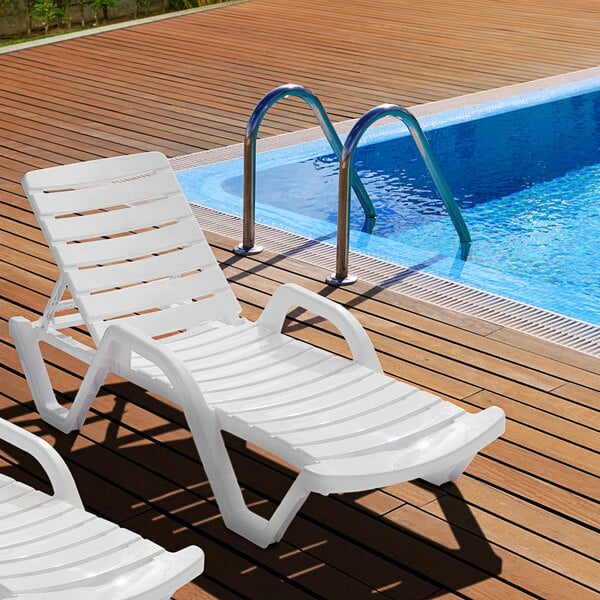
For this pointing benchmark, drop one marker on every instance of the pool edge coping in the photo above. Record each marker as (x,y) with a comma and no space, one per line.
(446,294)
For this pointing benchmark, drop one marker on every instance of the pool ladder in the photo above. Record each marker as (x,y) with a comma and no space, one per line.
(341,276)
(348,177)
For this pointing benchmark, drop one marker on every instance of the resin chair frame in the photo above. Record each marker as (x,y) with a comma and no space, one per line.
(145,283)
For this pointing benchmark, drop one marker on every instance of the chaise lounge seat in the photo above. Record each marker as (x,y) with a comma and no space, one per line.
(161,314)
(52,549)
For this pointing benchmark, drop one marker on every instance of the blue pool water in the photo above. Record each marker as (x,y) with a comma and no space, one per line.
(525,173)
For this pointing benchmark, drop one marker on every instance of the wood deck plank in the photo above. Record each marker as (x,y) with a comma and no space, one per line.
(522,521)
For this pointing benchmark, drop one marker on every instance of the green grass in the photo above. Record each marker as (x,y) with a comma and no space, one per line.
(32,38)
(35,36)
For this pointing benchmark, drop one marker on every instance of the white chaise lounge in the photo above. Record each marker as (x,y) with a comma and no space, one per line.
(138,267)
(52,549)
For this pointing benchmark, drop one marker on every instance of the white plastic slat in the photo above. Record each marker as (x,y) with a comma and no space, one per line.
(219,348)
(377,418)
(441,451)
(11,489)
(302,455)
(293,412)
(264,393)
(202,341)
(91,532)
(94,171)
(220,338)
(50,522)
(155,294)
(394,435)
(198,331)
(351,401)
(222,362)
(269,384)
(293,455)
(305,368)
(220,306)
(144,269)
(335,373)
(24,500)
(97,252)
(224,366)
(156,578)
(116,221)
(103,563)
(241,425)
(116,540)
(151,187)
(37,515)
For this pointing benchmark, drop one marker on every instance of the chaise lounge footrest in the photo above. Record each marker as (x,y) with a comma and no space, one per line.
(433,458)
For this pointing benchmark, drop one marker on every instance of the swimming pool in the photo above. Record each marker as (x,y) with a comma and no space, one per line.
(525,172)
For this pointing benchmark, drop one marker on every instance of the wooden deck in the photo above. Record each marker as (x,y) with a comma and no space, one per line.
(523,521)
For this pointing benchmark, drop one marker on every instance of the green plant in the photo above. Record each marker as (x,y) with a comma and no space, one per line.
(29,14)
(142,5)
(65,13)
(82,4)
(183,4)
(45,11)
(101,5)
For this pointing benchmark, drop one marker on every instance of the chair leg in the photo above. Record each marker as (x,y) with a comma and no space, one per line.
(66,420)
(28,348)
(259,530)
(236,515)
(450,474)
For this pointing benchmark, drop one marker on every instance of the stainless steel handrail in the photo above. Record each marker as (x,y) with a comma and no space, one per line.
(341,276)
(248,246)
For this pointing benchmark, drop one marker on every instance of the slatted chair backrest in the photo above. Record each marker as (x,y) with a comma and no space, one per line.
(128,245)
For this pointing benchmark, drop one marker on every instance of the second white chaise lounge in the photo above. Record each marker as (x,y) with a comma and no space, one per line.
(53,549)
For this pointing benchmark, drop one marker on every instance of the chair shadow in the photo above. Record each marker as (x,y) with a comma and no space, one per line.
(150,480)
(473,548)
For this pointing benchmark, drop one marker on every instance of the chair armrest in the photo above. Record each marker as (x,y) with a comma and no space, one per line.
(290,294)
(57,471)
